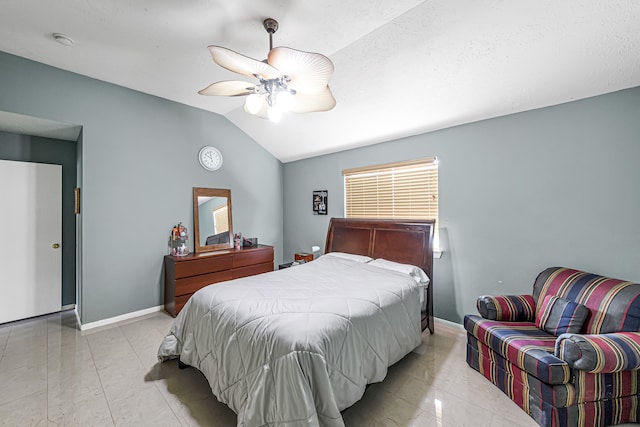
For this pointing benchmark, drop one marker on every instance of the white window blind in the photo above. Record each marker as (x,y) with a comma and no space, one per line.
(220,220)
(404,190)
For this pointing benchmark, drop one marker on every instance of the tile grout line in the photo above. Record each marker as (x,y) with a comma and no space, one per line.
(47,371)
(2,354)
(4,346)
(1,358)
(154,381)
(104,393)
(6,343)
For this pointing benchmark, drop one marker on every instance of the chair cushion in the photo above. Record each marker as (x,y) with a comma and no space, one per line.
(559,316)
(523,344)
(614,304)
(515,308)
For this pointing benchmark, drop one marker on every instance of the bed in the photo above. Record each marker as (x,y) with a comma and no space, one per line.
(297,346)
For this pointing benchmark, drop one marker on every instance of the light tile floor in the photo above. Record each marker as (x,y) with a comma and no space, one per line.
(52,374)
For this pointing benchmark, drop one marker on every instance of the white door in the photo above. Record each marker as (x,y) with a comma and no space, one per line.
(31,224)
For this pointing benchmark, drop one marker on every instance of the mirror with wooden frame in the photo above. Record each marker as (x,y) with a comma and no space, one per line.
(212,225)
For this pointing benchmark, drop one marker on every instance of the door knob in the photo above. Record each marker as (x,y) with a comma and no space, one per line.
(55,245)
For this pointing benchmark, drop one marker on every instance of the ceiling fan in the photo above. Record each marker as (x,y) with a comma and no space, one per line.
(288,80)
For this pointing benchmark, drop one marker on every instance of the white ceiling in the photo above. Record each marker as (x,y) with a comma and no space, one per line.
(402,67)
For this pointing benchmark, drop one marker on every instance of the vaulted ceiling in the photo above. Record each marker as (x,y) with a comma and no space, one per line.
(402,67)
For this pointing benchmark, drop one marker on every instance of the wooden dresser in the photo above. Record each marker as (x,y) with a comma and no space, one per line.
(185,275)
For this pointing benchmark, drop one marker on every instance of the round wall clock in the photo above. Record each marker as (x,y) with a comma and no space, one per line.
(210,158)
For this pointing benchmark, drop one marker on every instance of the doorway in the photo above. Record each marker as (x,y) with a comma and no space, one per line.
(42,149)
(31,255)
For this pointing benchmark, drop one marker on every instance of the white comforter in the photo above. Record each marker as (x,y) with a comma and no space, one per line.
(295,347)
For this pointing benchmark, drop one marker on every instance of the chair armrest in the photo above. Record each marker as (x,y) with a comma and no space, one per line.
(600,353)
(513,308)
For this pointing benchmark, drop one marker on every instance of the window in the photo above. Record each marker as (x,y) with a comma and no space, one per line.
(405,190)
(220,220)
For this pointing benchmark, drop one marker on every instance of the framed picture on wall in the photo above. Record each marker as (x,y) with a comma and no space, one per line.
(320,200)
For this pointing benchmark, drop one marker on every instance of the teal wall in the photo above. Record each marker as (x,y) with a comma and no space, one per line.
(553,186)
(27,148)
(519,193)
(138,167)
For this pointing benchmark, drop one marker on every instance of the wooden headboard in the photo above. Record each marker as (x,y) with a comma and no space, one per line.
(405,241)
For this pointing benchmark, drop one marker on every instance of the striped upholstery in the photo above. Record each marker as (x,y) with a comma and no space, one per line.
(558,316)
(573,380)
(515,382)
(600,353)
(575,404)
(513,308)
(582,387)
(596,414)
(600,413)
(614,304)
(522,344)
(590,387)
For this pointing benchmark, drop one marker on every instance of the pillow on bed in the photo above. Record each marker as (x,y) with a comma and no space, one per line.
(415,272)
(352,257)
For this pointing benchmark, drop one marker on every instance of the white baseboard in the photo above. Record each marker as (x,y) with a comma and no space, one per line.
(449,323)
(116,319)
(68,307)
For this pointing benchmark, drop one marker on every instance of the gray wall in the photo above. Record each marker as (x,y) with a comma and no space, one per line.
(138,166)
(554,186)
(26,148)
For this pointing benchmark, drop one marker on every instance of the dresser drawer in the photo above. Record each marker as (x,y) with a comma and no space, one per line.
(189,285)
(252,270)
(187,274)
(242,259)
(180,302)
(203,265)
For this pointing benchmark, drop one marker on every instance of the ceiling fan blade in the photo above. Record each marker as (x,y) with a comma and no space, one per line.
(241,64)
(310,102)
(309,72)
(228,88)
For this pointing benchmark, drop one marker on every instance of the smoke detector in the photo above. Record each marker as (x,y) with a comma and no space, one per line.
(63,39)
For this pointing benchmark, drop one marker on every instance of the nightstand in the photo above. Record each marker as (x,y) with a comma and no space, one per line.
(291,264)
(285,265)
(303,256)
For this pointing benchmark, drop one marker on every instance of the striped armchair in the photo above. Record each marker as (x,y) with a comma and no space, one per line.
(569,354)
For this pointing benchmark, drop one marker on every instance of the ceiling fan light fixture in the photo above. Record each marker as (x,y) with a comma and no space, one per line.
(253,103)
(284,100)
(289,79)
(275,113)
